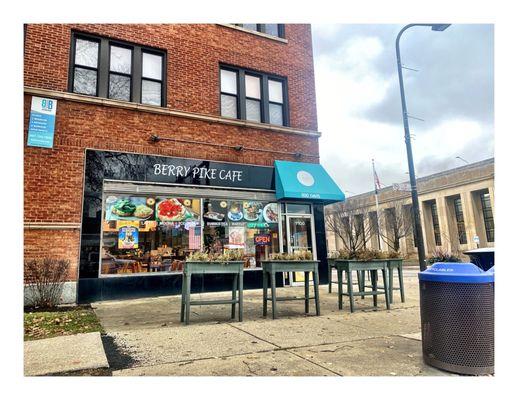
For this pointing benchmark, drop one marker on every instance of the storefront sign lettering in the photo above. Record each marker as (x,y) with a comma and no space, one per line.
(183,171)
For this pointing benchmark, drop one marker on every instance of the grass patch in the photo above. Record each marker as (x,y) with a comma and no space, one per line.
(52,323)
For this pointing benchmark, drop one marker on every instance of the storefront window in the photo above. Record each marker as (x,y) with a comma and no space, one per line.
(149,234)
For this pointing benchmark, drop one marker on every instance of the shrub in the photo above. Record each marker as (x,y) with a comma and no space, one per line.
(299,255)
(45,278)
(364,254)
(229,255)
(442,256)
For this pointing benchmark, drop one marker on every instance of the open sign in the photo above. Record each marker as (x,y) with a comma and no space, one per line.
(263,239)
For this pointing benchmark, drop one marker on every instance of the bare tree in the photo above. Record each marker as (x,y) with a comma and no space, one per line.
(349,221)
(396,225)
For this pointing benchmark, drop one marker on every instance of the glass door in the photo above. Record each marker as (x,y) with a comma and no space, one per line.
(299,235)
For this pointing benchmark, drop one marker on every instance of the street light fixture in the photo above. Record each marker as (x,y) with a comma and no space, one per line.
(460,158)
(411,171)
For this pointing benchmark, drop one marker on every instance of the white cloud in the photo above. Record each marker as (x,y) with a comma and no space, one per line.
(349,82)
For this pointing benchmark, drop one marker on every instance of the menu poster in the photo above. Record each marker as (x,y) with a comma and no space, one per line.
(128,234)
(129,208)
(175,209)
(236,237)
(215,212)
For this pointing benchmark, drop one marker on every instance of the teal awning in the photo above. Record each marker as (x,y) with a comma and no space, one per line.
(304,181)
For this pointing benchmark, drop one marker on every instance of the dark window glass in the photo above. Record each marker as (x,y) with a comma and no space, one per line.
(252,27)
(295,208)
(269,29)
(120,73)
(228,106)
(253,110)
(85,81)
(435,222)
(459,217)
(152,66)
(85,69)
(276,100)
(120,87)
(87,53)
(151,79)
(359,228)
(411,220)
(104,67)
(151,92)
(120,60)
(253,96)
(487,212)
(228,88)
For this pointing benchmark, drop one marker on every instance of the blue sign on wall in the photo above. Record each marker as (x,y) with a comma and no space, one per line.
(41,122)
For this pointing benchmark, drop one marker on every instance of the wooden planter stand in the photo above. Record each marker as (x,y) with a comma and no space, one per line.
(373,266)
(205,268)
(270,268)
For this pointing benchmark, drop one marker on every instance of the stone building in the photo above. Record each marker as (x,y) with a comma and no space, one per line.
(456,207)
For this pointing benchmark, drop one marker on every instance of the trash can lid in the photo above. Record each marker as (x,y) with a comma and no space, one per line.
(457,273)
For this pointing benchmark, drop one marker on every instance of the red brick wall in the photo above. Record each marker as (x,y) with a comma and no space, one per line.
(53,178)
(60,244)
(194,53)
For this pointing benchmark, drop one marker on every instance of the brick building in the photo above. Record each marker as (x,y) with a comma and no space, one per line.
(164,143)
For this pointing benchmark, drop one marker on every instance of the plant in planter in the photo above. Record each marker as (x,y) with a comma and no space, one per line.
(299,255)
(221,258)
(442,256)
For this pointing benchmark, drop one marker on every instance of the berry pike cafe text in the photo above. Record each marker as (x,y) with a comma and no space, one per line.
(183,171)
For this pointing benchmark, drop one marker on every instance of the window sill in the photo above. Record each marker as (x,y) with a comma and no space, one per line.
(260,34)
(80,98)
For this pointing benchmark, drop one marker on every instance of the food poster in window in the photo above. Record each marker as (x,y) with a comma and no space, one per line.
(176,209)
(129,208)
(215,212)
(235,211)
(128,234)
(236,237)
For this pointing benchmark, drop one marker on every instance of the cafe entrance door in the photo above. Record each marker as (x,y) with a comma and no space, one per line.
(299,231)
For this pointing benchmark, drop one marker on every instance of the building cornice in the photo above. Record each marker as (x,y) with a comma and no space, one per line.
(79,98)
(407,195)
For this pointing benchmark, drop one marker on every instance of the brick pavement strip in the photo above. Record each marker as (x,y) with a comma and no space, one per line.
(64,354)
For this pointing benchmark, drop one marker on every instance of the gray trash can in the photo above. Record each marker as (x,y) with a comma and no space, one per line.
(457,317)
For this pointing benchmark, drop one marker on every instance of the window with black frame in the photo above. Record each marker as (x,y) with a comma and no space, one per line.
(459,217)
(85,66)
(152,78)
(253,96)
(229,95)
(120,73)
(269,29)
(487,212)
(117,70)
(435,223)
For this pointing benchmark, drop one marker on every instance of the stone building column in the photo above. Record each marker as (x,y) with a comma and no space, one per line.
(426,227)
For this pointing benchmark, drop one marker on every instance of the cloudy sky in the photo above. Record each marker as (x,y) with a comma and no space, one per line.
(359,106)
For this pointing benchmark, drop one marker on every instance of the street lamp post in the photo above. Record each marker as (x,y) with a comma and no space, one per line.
(411,171)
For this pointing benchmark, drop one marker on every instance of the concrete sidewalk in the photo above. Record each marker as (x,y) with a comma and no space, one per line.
(147,338)
(64,354)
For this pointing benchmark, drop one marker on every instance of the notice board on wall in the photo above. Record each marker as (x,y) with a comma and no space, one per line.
(41,122)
